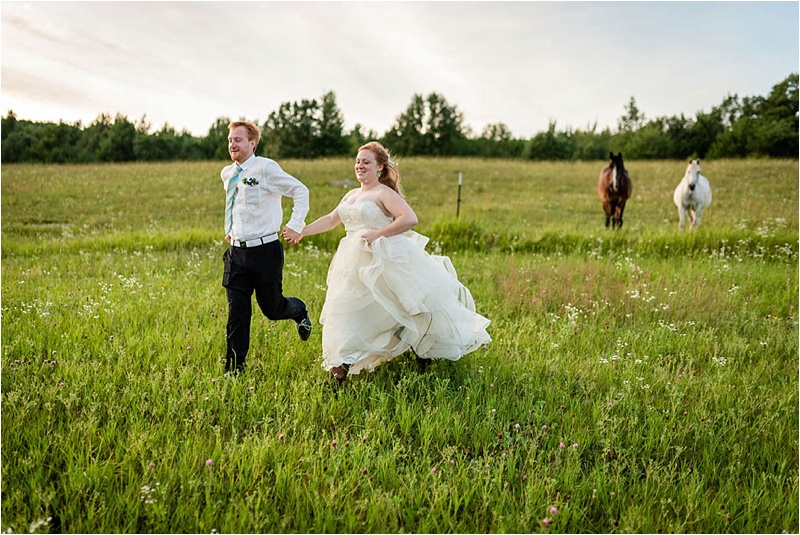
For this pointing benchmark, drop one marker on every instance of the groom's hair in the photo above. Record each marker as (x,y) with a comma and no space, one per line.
(253,131)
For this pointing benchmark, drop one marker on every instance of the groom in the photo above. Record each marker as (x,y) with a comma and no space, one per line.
(254,261)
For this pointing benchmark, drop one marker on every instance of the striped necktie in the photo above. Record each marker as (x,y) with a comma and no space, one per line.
(230,194)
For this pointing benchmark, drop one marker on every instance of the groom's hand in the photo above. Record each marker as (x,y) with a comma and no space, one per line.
(290,236)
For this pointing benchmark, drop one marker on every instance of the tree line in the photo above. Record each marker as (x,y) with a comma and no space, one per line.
(757,126)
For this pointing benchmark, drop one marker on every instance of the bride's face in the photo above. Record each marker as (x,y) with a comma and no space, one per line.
(366,167)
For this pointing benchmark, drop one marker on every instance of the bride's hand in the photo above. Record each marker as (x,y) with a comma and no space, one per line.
(370,236)
(291,236)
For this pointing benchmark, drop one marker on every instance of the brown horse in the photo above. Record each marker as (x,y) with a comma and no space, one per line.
(614,189)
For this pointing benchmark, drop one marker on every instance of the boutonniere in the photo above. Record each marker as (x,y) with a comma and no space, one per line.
(250,181)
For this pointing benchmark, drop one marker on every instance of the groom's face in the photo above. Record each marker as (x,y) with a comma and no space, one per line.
(240,147)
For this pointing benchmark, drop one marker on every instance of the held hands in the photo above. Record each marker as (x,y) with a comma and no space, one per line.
(294,238)
(291,236)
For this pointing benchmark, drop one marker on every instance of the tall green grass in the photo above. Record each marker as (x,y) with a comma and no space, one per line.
(665,363)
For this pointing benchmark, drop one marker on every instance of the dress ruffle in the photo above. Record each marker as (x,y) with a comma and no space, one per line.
(392,295)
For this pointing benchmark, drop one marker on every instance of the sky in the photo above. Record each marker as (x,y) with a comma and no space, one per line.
(523,64)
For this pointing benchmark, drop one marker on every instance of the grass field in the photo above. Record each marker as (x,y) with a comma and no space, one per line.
(643,380)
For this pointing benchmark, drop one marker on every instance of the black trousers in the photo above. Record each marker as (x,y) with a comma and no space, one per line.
(260,270)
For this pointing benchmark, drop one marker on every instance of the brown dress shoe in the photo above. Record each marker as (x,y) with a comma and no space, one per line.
(340,372)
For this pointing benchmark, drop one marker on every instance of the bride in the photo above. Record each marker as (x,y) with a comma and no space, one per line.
(386,294)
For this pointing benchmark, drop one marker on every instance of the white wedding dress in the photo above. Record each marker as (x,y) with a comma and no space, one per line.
(390,295)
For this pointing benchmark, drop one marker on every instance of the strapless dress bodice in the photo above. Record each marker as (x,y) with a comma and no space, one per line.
(362,215)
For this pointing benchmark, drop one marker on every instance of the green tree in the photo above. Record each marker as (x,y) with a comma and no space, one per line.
(590,144)
(8,124)
(648,142)
(759,126)
(159,146)
(332,141)
(306,129)
(702,133)
(549,145)
(782,102)
(93,136)
(215,145)
(627,125)
(56,143)
(190,147)
(117,146)
(775,139)
(291,130)
(445,126)
(19,142)
(497,141)
(678,143)
(356,138)
(407,134)
(775,128)
(429,126)
(633,118)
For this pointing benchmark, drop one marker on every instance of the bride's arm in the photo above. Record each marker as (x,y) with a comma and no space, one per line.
(404,216)
(323,224)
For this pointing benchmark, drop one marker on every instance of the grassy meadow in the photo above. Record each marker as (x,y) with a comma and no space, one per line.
(643,380)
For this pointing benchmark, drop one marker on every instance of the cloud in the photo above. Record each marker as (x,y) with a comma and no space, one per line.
(520,63)
(31,29)
(29,86)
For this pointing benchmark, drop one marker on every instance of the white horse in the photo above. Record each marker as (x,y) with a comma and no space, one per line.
(692,195)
